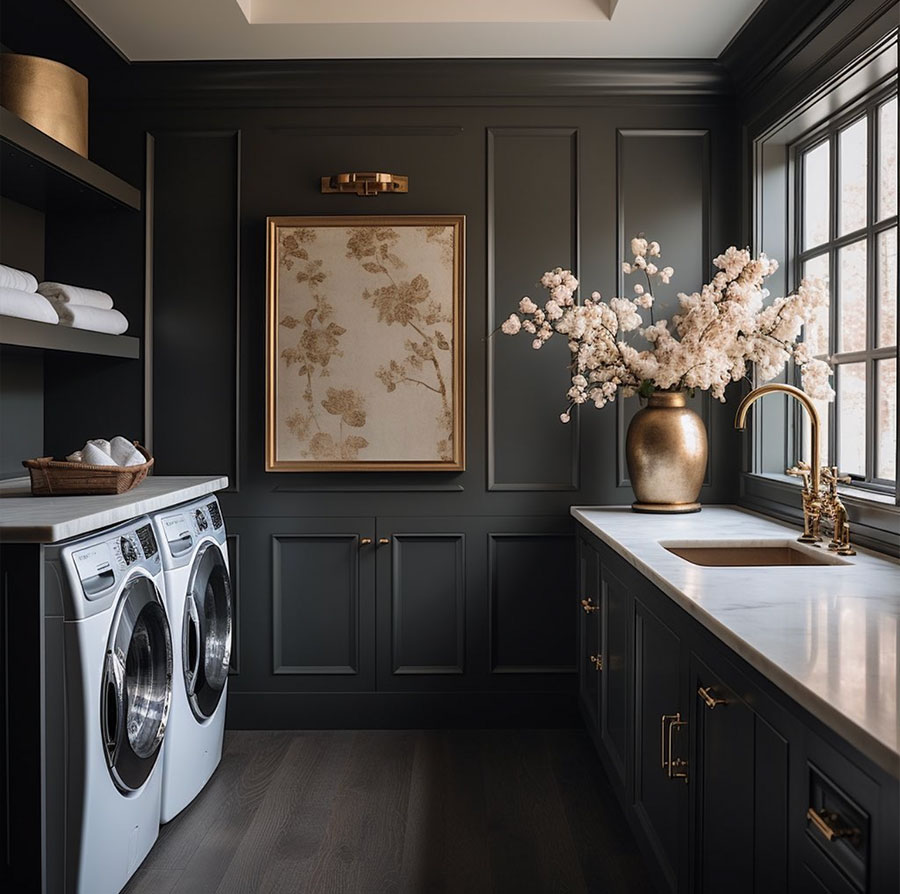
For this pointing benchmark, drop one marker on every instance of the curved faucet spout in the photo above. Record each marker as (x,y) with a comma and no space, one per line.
(740,422)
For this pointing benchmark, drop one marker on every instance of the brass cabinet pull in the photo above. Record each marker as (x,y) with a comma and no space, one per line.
(711,701)
(365,541)
(384,540)
(675,768)
(597,661)
(830,826)
(588,606)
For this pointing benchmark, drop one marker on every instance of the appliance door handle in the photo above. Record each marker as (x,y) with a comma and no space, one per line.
(112,704)
(190,637)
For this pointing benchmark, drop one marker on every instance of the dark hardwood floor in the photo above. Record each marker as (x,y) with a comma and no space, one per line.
(372,812)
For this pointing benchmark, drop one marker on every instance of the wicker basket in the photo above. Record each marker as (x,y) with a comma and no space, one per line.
(51,478)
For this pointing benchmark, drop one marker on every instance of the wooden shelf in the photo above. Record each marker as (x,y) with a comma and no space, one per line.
(53,337)
(37,171)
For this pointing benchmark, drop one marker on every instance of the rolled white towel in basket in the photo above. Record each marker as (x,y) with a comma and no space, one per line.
(61,293)
(125,453)
(11,278)
(95,456)
(96,319)
(26,306)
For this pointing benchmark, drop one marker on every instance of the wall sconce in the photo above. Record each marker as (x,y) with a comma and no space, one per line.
(365,184)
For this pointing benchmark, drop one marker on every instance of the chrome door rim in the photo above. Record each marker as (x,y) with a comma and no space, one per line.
(136,689)
(208,594)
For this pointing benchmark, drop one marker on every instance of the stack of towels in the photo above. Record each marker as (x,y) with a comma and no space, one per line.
(19,298)
(56,302)
(100,452)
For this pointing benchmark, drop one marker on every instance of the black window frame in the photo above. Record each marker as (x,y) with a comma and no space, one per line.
(867,107)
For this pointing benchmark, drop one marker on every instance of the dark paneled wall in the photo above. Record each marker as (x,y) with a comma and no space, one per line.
(469,605)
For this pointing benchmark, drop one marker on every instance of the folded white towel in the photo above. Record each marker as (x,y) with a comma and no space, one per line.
(76,457)
(125,453)
(10,278)
(95,456)
(60,293)
(26,305)
(80,316)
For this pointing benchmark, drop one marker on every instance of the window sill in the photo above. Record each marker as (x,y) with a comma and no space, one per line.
(874,518)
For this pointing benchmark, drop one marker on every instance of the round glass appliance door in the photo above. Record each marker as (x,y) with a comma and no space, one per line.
(137,684)
(206,631)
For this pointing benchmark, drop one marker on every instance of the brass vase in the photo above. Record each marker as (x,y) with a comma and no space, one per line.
(666,451)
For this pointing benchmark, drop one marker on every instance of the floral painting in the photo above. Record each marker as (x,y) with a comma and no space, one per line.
(364,346)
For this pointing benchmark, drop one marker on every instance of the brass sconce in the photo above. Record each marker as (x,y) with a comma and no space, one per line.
(365,184)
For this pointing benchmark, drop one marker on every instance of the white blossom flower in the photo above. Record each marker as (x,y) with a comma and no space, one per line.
(652,269)
(511,325)
(527,306)
(638,289)
(626,267)
(653,249)
(537,344)
(564,417)
(638,246)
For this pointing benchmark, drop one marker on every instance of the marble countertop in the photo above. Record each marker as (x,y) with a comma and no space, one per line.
(827,635)
(28,519)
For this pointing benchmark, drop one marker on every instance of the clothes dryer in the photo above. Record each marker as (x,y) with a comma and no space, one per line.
(199,602)
(118,690)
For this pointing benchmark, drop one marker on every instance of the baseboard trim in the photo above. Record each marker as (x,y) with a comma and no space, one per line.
(402,710)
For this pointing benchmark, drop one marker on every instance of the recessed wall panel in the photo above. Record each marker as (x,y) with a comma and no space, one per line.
(532,594)
(315,603)
(532,227)
(428,604)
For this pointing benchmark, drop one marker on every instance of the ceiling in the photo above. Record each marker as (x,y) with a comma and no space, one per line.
(167,30)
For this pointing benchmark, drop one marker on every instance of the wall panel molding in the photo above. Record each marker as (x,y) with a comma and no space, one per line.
(533,621)
(641,208)
(537,445)
(320,629)
(408,609)
(194,214)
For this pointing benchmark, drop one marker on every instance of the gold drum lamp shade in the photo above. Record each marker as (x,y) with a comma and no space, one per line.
(48,95)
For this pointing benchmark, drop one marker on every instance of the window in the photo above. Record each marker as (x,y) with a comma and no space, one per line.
(845,232)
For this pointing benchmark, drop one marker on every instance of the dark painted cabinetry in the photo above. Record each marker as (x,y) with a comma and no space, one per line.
(729,785)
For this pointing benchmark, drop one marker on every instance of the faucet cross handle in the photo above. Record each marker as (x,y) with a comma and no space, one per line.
(801,470)
(832,478)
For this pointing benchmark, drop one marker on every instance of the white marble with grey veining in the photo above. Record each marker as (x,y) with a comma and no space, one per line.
(827,635)
(28,519)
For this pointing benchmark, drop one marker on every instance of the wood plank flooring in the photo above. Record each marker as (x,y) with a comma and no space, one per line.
(413,812)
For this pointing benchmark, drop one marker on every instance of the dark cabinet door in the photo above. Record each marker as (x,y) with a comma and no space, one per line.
(615,695)
(590,657)
(723,775)
(422,566)
(660,746)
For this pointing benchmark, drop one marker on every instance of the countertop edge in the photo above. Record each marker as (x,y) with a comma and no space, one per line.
(864,741)
(104,518)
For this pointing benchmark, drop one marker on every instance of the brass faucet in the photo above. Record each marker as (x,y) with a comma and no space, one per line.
(817,503)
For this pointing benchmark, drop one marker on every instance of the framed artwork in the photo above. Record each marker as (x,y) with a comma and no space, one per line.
(364,343)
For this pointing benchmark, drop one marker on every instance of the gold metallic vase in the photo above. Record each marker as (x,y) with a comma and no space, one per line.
(48,95)
(666,451)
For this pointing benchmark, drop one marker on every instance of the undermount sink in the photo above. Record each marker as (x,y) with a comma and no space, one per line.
(736,554)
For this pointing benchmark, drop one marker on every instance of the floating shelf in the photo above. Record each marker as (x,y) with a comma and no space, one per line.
(53,337)
(37,171)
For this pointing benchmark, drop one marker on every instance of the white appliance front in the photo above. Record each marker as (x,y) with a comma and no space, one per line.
(118,662)
(199,602)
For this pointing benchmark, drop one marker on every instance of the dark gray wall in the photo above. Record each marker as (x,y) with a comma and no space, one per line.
(467,616)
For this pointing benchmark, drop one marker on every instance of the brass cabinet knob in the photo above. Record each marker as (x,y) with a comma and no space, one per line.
(711,701)
(365,541)
(588,606)
(597,661)
(384,540)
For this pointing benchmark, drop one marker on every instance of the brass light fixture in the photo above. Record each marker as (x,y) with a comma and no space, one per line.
(366,183)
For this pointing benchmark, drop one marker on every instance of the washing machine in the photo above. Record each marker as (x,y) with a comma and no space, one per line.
(199,603)
(116,672)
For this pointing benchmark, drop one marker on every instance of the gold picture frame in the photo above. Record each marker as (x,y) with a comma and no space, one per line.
(365,343)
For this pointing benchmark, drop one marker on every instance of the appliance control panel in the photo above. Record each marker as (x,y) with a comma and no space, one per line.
(101,564)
